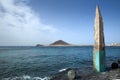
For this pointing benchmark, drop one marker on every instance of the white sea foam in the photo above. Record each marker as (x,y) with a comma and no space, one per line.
(26,77)
(63,70)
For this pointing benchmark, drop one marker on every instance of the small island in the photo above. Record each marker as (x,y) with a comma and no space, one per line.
(39,45)
(60,43)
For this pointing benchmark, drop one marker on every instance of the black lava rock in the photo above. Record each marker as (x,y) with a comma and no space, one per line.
(118,61)
(114,65)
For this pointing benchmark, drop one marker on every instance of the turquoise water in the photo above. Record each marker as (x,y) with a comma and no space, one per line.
(39,62)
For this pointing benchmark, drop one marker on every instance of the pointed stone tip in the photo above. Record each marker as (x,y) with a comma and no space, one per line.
(98,10)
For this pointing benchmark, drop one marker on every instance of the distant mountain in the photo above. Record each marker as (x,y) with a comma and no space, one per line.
(60,43)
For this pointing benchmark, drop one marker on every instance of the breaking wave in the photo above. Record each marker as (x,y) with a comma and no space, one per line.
(26,77)
(61,70)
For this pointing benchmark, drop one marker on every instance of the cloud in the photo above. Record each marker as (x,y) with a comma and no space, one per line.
(20,24)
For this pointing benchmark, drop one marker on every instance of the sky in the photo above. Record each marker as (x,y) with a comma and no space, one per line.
(31,22)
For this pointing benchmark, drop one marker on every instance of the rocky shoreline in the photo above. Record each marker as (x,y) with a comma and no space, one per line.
(89,74)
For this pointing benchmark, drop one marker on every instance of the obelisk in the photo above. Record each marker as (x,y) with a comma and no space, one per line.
(99,62)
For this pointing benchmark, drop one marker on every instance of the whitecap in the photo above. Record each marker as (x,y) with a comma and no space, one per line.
(39,78)
(26,77)
(61,70)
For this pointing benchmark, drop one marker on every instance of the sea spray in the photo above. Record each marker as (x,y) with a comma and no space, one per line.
(26,77)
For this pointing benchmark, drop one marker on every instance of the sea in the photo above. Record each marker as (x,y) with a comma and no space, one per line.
(39,63)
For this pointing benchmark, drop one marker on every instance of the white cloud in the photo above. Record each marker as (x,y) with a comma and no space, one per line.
(20,24)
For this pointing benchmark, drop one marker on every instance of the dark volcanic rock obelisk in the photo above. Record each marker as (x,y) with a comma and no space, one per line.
(99,62)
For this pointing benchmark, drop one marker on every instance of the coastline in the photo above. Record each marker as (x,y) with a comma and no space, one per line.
(89,74)
(72,45)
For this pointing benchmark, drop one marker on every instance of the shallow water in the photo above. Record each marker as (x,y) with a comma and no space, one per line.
(39,62)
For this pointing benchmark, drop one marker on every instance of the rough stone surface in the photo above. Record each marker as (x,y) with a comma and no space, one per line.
(99,34)
(99,46)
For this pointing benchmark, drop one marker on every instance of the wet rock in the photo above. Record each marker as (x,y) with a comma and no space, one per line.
(118,61)
(88,74)
(71,74)
(114,65)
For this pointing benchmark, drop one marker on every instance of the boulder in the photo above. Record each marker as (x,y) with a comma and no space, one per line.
(71,74)
(118,61)
(114,65)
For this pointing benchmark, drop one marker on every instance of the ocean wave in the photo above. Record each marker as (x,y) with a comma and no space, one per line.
(61,70)
(26,77)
